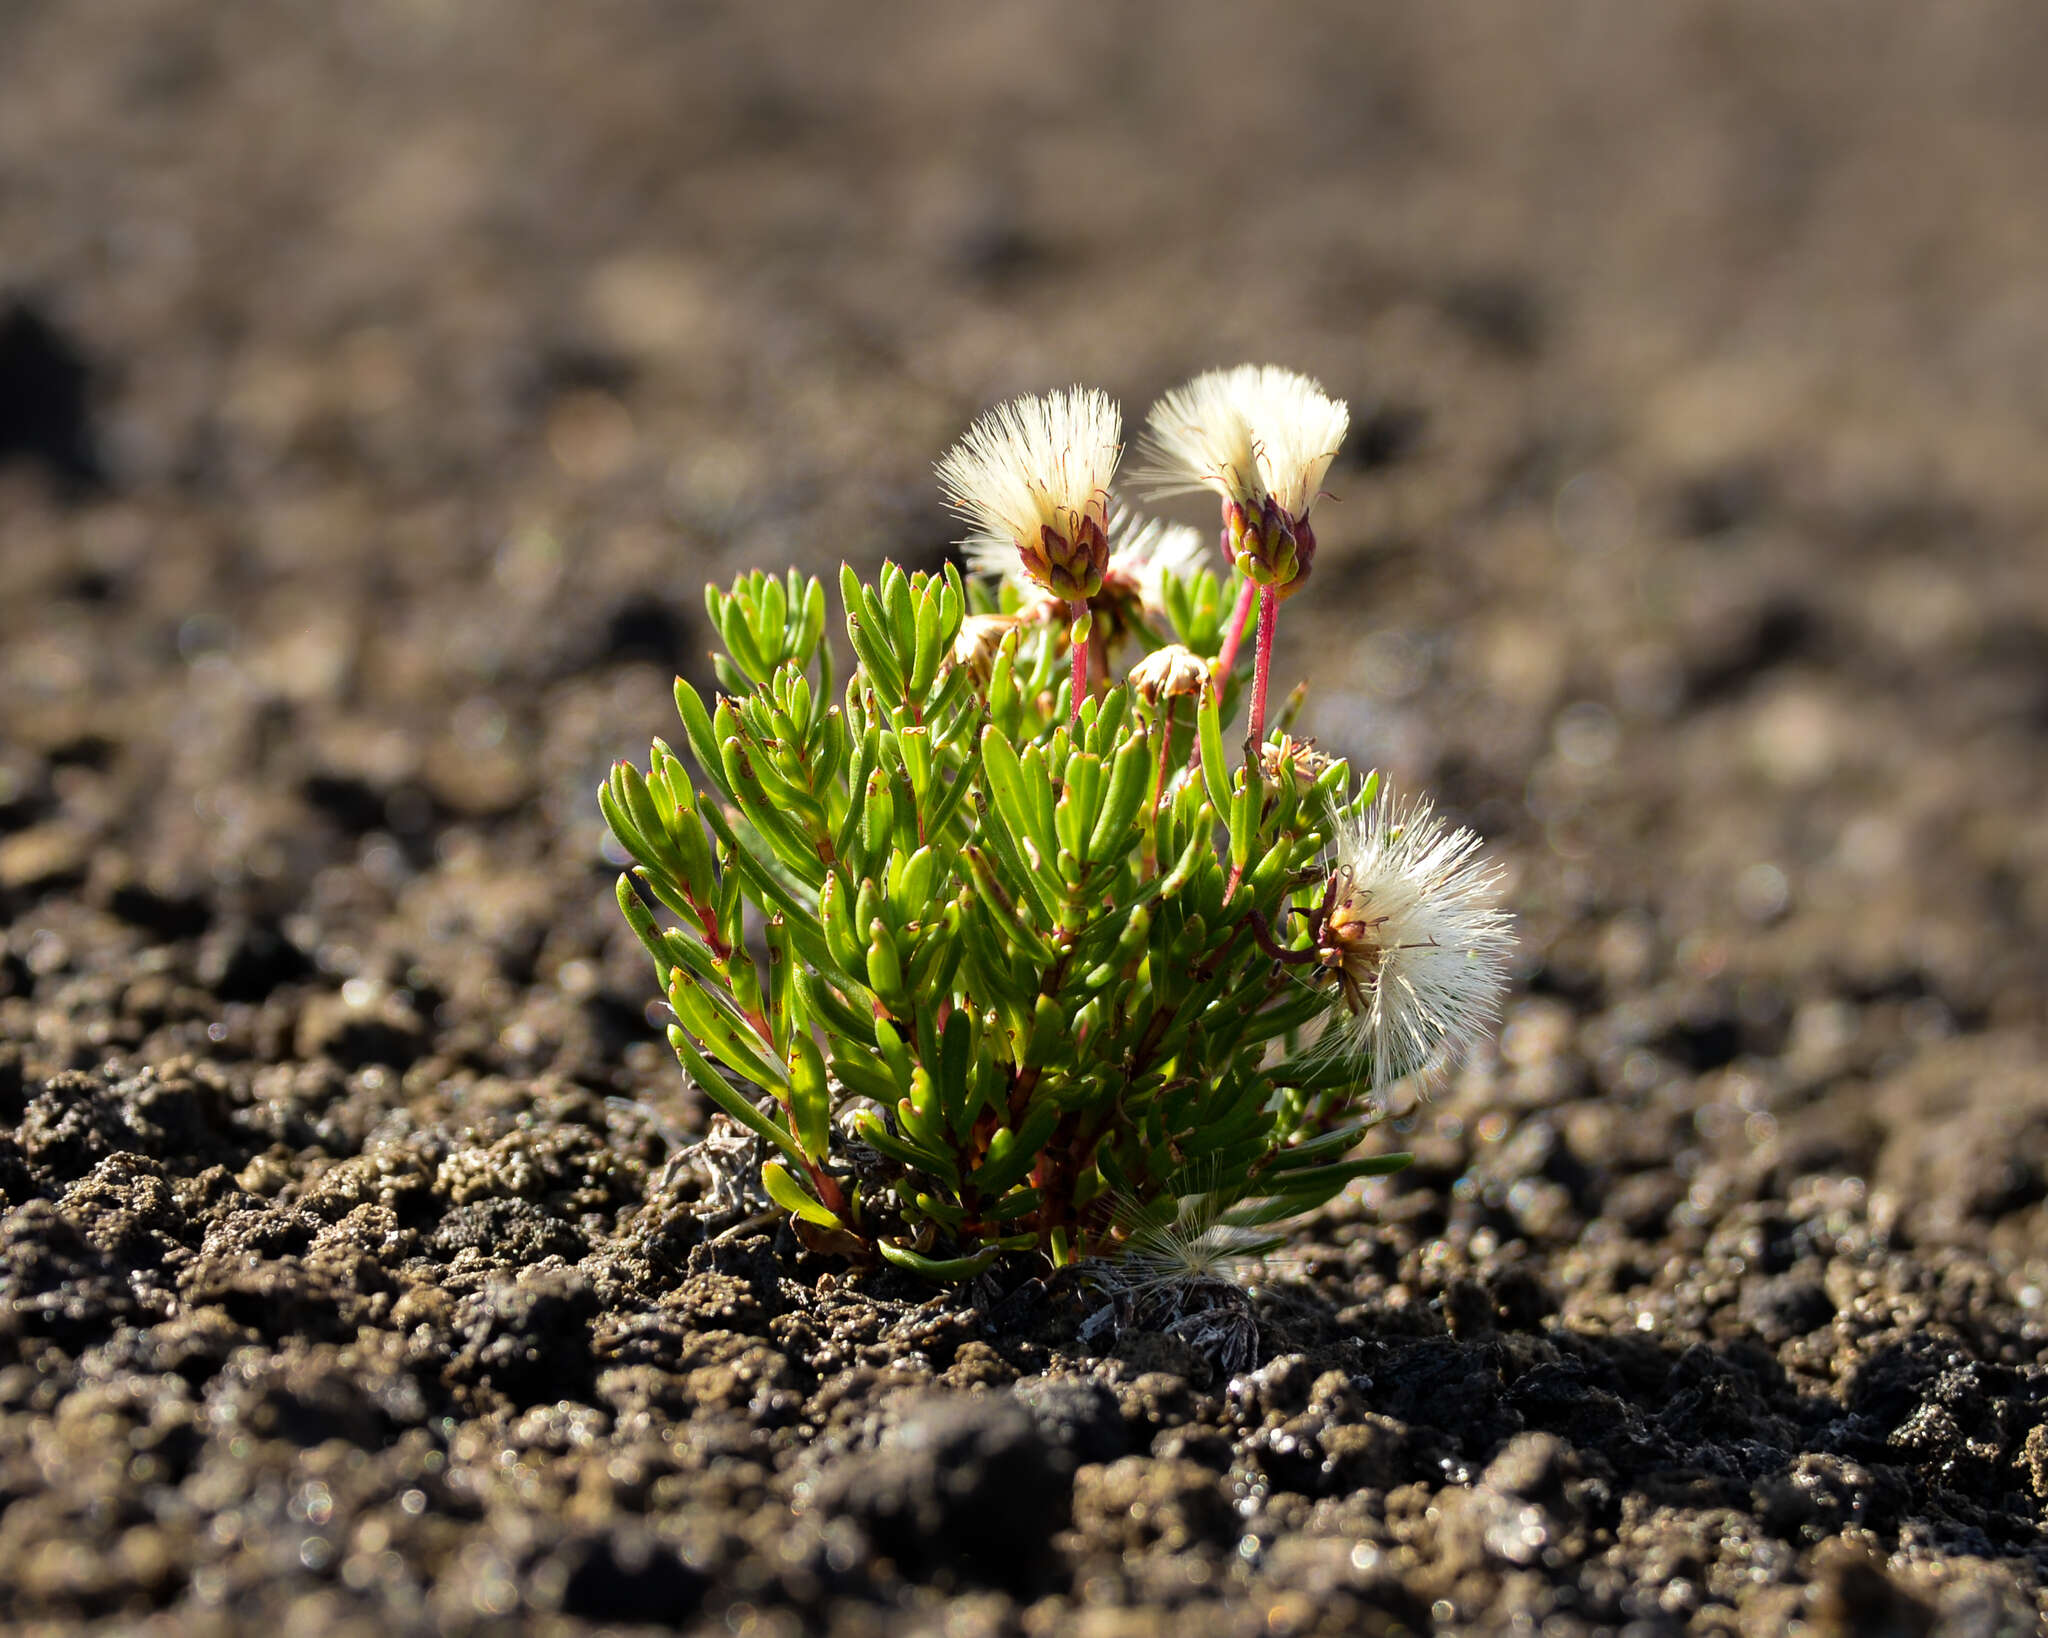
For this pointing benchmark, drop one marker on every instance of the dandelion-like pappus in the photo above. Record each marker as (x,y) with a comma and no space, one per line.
(1033,474)
(1409,935)
(1261,439)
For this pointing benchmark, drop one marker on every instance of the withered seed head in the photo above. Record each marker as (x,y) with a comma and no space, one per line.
(1287,754)
(980,636)
(1169,673)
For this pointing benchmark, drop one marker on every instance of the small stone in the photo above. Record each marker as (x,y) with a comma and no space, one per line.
(625,1575)
(373,1026)
(1373,1453)
(44,855)
(2034,1460)
(1142,1501)
(245,960)
(1278,1388)
(1533,1466)
(1854,1597)
(1078,1416)
(963,1490)
(1787,1306)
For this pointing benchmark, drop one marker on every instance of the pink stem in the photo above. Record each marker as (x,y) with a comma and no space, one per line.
(1262,667)
(1077,610)
(1235,636)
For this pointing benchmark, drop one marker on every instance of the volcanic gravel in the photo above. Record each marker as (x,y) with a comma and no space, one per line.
(380,384)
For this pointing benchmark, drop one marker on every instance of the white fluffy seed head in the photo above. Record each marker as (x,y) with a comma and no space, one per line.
(1198,436)
(1248,433)
(1170,673)
(1033,463)
(1299,428)
(1145,550)
(1419,948)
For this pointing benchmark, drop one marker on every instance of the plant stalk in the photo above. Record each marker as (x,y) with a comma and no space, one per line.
(1269,613)
(1079,612)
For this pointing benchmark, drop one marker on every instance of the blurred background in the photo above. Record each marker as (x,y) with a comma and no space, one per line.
(380,384)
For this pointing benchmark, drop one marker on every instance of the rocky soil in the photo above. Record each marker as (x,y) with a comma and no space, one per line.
(380,384)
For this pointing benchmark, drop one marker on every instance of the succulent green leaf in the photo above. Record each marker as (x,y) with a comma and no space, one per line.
(1003,702)
(901,613)
(771,628)
(885,965)
(698,731)
(810,1097)
(906,1152)
(1318,1150)
(715,1087)
(862,1075)
(988,958)
(842,1021)
(1129,777)
(956,1084)
(940,1270)
(919,1122)
(791,1195)
(742,644)
(641,920)
(896,1054)
(1008,784)
(869,638)
(1012,1152)
(1001,911)
(1322,1182)
(1215,771)
(696,1004)
(927,652)
(1244,819)
(878,819)
(1074,817)
(1112,710)
(913,890)
(811,626)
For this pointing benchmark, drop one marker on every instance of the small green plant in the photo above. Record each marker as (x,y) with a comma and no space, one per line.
(995,956)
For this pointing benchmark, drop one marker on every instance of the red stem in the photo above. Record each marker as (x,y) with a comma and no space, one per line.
(1078,611)
(1227,660)
(829,1193)
(1269,612)
(721,952)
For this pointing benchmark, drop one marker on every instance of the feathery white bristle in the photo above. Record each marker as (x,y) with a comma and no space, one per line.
(1198,436)
(1148,549)
(1196,1243)
(1246,433)
(1437,959)
(995,558)
(1299,429)
(1034,461)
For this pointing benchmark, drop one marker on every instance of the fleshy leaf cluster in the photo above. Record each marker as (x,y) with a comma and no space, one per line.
(986,974)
